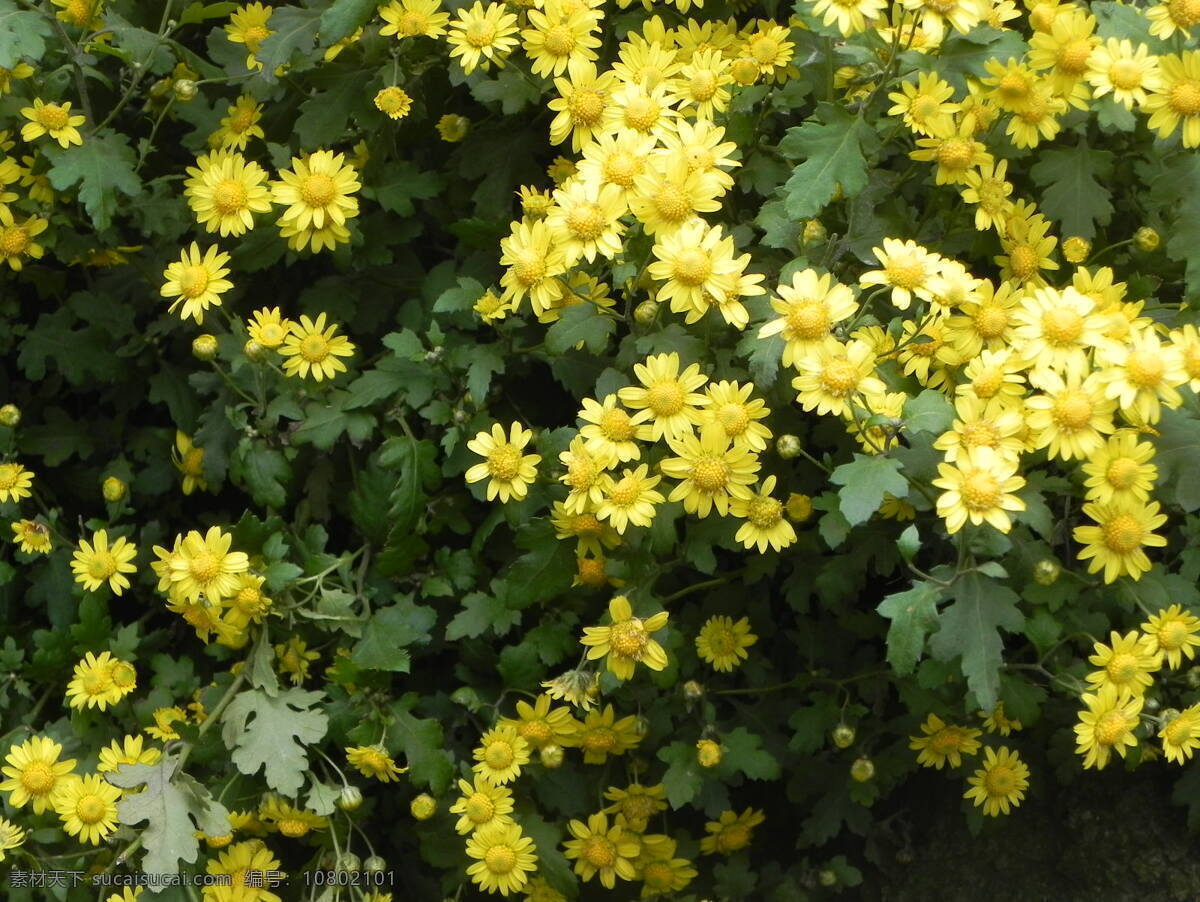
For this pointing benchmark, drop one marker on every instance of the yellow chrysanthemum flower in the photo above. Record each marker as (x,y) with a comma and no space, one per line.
(1173,633)
(268,327)
(1125,663)
(205,567)
(16,239)
(731,832)
(1127,72)
(317,190)
(636,803)
(279,814)
(130,750)
(943,743)
(508,471)
(1057,329)
(481,804)
(599,849)
(248,26)
(611,433)
(500,755)
(999,721)
(722,641)
(374,761)
(834,377)
(1142,375)
(586,221)
(1121,470)
(294,659)
(239,124)
(413,18)
(15,481)
(197,280)
(100,681)
(627,641)
(1027,248)
(694,263)
(313,349)
(225,190)
(926,105)
(394,102)
(34,772)
(559,34)
(250,859)
(162,730)
(53,119)
(603,734)
(713,470)
(534,261)
(11,836)
(481,35)
(87,14)
(630,499)
(1106,724)
(669,399)
(1115,543)
(1180,735)
(96,563)
(1000,784)
(87,807)
(979,489)
(1171,16)
(997,424)
(954,149)
(32,536)
(987,187)
(1071,416)
(907,269)
(189,461)
(506,857)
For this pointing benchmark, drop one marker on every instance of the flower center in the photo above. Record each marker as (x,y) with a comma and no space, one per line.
(1125,74)
(905,272)
(204,567)
(733,418)
(124,676)
(1014,87)
(1172,635)
(763,513)
(14,240)
(292,827)
(1184,13)
(1073,56)
(91,809)
(672,204)
(1178,730)
(1000,781)
(641,113)
(586,107)
(95,682)
(1122,473)
(536,732)
(411,24)
(529,268)
(499,755)
(808,321)
(559,40)
(599,852)
(479,808)
(839,377)
(616,425)
(8,476)
(990,322)
(621,168)
(625,492)
(480,33)
(586,221)
(665,399)
(500,859)
(629,638)
(1072,410)
(1062,327)
(505,462)
(710,474)
(241,120)
(637,808)
(1123,534)
(734,837)
(102,565)
(229,196)
(764,49)
(1122,668)
(1184,98)
(599,739)
(193,281)
(318,190)
(1145,368)
(658,876)
(37,778)
(703,85)
(255,35)
(314,348)
(980,490)
(271,335)
(53,117)
(1111,728)
(956,153)
(1024,261)
(692,267)
(980,435)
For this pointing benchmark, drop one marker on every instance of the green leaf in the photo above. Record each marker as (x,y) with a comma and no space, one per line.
(389,632)
(913,613)
(743,754)
(103,167)
(1177,190)
(581,323)
(684,776)
(23,33)
(460,298)
(265,472)
(929,411)
(197,12)
(1177,450)
(1074,180)
(970,628)
(424,747)
(324,424)
(864,482)
(551,864)
(293,30)
(415,461)
(269,733)
(835,153)
(479,614)
(341,20)
(402,184)
(323,116)
(541,573)
(963,56)
(509,88)
(486,361)
(172,812)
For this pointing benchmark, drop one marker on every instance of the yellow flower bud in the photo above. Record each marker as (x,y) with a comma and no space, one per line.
(453,128)
(185,89)
(1046,571)
(798,508)
(1146,239)
(744,71)
(862,770)
(423,807)
(254,351)
(1076,249)
(708,753)
(843,736)
(814,231)
(10,416)
(204,347)
(114,489)
(645,312)
(350,798)
(551,756)
(787,446)
(693,691)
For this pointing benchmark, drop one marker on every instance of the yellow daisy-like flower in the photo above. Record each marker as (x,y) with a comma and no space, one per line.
(1115,543)
(197,280)
(97,562)
(613,159)
(1142,375)
(583,97)
(1027,248)
(130,750)
(312,349)
(1171,16)
(560,34)
(1126,663)
(722,641)
(670,194)
(162,730)
(591,533)
(808,310)
(534,261)
(943,743)
(584,475)
(1057,328)
(694,263)
(481,804)
(316,191)
(611,433)
(765,525)
(954,149)
(979,489)
(510,473)
(189,460)
(602,850)
(997,424)
(34,772)
(1173,633)
(1000,784)
(586,221)
(835,376)
(293,822)
(1180,735)
(1127,72)
(987,187)
(1071,416)
(500,755)
(394,102)
(269,328)
(87,807)
(239,124)
(669,399)
(1107,724)
(53,119)
(225,190)
(294,659)
(627,641)
(907,269)
(1121,470)
(244,864)
(925,105)
(713,469)
(81,13)
(701,88)
(32,536)
(482,35)
(506,857)
(999,721)
(205,567)
(374,761)
(630,499)
(11,836)
(248,26)
(16,239)
(15,481)
(413,18)
(94,684)
(731,832)
(453,128)
(603,734)
(636,803)
(737,414)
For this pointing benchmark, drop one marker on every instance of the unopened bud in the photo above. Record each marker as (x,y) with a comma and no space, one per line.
(645,312)
(423,807)
(204,347)
(843,736)
(350,798)
(114,489)
(374,864)
(787,446)
(708,753)
(1146,239)
(551,756)
(185,89)
(862,770)
(1046,571)
(254,351)
(693,691)
(10,415)
(798,507)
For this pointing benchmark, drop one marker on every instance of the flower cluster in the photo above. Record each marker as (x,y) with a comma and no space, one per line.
(999,784)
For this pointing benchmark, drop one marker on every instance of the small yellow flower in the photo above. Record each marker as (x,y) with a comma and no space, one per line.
(505,857)
(97,562)
(34,772)
(294,659)
(197,281)
(1000,783)
(1174,633)
(943,743)
(482,803)
(312,349)
(722,642)
(500,756)
(14,482)
(394,102)
(32,536)
(627,641)
(52,119)
(602,850)
(279,814)
(730,832)
(87,807)
(269,328)
(373,761)
(510,473)
(1106,725)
